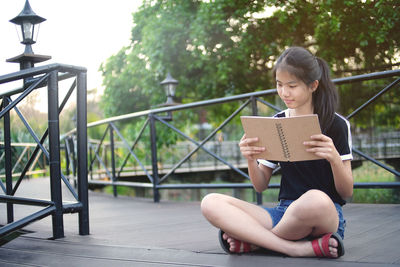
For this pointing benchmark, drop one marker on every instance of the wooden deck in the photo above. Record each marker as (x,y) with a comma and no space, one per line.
(138,232)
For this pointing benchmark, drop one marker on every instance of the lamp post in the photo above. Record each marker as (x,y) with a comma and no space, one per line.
(27,20)
(169,84)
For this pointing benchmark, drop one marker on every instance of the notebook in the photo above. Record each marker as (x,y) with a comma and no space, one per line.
(282,137)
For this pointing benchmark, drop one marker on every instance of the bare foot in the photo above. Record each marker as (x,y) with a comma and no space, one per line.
(317,247)
(333,245)
(233,243)
(325,247)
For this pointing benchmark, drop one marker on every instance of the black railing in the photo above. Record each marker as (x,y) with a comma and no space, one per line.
(48,144)
(104,153)
(22,152)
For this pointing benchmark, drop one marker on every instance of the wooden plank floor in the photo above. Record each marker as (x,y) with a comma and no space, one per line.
(134,232)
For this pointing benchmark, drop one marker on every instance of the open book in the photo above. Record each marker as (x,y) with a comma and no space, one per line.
(282,137)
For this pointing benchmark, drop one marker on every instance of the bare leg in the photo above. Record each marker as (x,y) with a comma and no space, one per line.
(250,223)
(311,214)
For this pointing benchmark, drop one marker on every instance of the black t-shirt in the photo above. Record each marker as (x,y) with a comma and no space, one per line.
(301,176)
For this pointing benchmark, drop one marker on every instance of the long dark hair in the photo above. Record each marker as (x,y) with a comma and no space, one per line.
(308,68)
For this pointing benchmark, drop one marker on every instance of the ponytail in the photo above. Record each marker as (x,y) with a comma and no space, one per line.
(325,99)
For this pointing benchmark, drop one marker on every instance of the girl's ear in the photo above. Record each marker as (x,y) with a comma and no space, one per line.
(314,85)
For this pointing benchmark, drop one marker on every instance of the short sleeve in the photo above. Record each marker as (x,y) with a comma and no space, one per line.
(341,136)
(269,164)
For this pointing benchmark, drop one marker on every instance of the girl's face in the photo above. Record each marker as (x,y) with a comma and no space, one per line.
(294,92)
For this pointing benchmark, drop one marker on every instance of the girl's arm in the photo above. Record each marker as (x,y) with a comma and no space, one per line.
(344,181)
(323,147)
(260,175)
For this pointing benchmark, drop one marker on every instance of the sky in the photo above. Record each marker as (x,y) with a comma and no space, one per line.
(76,32)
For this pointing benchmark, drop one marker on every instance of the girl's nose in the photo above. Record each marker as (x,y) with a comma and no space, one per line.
(285,92)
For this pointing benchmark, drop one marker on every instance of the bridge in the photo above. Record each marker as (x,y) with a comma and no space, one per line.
(129,232)
(143,159)
(157,153)
(16,169)
(385,147)
(143,162)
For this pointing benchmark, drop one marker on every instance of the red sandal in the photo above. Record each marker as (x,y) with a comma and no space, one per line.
(240,246)
(321,250)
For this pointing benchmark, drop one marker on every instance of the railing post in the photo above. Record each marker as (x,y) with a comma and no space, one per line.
(112,147)
(254,110)
(8,161)
(153,142)
(385,147)
(81,132)
(70,163)
(215,152)
(54,147)
(190,159)
(90,160)
(66,151)
(73,156)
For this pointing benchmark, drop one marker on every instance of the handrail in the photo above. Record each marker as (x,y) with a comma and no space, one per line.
(45,76)
(27,73)
(357,78)
(250,99)
(182,106)
(366,77)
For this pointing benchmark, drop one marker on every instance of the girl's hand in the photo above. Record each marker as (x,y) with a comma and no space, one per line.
(322,146)
(247,148)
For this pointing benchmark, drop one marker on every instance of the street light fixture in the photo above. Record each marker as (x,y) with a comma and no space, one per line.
(27,20)
(169,84)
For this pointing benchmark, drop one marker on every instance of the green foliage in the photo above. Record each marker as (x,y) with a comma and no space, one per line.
(121,191)
(369,172)
(376,196)
(362,32)
(227,47)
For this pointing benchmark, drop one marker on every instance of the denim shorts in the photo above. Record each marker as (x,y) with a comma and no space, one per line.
(277,212)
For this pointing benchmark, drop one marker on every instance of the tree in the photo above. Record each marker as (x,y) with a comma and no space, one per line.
(226,47)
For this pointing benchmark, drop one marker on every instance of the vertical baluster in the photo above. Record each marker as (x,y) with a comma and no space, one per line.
(54,148)
(81,131)
(112,150)
(153,141)
(254,110)
(8,160)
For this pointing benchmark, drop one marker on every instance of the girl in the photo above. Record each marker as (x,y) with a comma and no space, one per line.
(312,192)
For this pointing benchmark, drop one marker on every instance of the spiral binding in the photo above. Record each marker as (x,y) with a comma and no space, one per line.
(285,147)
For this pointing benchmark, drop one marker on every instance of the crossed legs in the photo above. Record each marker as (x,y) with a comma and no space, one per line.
(312,214)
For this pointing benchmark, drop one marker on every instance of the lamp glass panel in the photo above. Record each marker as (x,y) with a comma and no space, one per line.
(171,89)
(166,89)
(19,32)
(36,32)
(27,31)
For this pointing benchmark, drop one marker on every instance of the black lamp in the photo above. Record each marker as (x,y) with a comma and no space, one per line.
(27,20)
(169,84)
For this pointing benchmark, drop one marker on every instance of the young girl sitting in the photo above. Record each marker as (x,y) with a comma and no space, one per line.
(308,221)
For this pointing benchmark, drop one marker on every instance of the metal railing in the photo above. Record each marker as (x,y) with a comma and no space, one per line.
(23,151)
(34,79)
(106,153)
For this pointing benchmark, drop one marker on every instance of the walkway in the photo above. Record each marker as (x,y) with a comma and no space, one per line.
(126,232)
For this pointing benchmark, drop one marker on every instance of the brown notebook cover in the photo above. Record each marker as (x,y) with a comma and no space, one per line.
(282,137)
